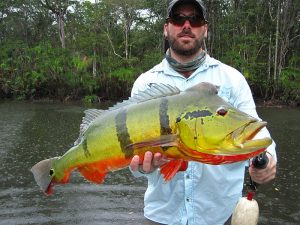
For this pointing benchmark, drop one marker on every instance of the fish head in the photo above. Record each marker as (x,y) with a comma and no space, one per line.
(217,128)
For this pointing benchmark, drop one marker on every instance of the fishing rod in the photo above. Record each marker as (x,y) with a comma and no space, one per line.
(247,210)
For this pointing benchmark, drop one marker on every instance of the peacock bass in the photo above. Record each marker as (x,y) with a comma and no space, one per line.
(192,125)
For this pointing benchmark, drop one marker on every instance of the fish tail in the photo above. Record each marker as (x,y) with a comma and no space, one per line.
(42,174)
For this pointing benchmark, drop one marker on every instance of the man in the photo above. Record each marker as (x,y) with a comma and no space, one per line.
(203,194)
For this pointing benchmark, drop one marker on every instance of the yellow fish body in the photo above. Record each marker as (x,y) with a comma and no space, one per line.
(193,125)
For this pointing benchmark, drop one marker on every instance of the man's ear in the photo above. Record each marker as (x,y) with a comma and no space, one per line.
(165,31)
(206,30)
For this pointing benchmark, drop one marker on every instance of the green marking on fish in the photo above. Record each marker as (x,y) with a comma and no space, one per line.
(85,148)
(197,114)
(202,121)
(123,134)
(164,117)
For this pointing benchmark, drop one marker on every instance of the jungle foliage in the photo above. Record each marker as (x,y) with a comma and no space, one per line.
(64,49)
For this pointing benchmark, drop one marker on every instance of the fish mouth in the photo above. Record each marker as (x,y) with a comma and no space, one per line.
(243,137)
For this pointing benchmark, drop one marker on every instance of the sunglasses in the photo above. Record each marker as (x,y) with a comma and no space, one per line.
(179,20)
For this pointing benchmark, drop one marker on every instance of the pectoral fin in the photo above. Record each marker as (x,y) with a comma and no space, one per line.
(162,141)
(170,169)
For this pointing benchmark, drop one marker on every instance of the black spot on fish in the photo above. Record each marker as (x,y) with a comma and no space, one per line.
(85,148)
(164,117)
(123,134)
(197,114)
(51,172)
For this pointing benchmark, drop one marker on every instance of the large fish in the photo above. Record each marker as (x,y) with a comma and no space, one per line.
(193,125)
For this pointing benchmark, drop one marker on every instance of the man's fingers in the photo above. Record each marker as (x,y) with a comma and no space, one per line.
(157,160)
(263,175)
(134,165)
(147,164)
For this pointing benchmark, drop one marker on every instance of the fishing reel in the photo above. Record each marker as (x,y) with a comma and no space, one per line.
(260,162)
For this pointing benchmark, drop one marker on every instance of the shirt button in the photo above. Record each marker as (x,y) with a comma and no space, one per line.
(187,176)
(187,199)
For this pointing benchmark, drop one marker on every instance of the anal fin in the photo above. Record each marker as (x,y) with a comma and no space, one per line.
(94,172)
(169,170)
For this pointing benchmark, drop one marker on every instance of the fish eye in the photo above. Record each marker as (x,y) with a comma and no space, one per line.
(222,111)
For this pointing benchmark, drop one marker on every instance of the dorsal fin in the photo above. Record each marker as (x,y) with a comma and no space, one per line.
(156,91)
(90,116)
(153,91)
(205,86)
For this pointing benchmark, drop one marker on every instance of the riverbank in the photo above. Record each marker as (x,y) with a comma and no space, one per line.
(99,101)
(275,103)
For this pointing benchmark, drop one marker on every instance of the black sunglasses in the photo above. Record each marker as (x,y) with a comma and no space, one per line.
(179,20)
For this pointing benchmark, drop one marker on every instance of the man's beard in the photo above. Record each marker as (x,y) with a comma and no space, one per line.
(180,49)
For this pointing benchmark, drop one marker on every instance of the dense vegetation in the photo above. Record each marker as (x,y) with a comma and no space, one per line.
(66,49)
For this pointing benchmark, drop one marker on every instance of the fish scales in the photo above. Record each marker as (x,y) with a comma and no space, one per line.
(193,125)
(115,131)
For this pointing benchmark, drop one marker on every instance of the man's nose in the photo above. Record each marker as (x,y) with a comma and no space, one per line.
(187,24)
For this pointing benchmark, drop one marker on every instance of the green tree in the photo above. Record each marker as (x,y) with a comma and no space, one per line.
(71,49)
(59,8)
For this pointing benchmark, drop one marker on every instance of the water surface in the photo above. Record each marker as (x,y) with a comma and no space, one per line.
(31,132)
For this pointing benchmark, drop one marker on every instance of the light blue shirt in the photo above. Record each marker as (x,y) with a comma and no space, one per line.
(203,194)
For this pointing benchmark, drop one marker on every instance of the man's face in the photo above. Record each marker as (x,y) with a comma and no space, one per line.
(185,40)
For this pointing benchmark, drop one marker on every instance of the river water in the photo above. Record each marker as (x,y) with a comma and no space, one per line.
(30,132)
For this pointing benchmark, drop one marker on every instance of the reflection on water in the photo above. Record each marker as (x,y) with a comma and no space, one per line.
(280,201)
(32,132)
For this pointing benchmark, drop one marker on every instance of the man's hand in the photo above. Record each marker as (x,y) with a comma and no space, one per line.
(265,175)
(149,164)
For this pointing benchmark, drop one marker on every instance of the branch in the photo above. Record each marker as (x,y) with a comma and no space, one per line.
(47,5)
(111,43)
(56,10)
(259,50)
(294,37)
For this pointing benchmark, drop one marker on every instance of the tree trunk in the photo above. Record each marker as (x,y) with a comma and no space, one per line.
(269,68)
(94,63)
(126,40)
(275,76)
(61,29)
(59,11)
